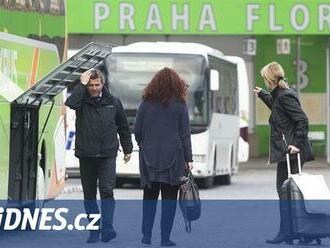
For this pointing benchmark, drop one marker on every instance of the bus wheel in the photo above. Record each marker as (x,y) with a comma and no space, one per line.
(224,180)
(206,183)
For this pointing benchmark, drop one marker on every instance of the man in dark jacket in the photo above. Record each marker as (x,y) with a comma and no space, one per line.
(99,117)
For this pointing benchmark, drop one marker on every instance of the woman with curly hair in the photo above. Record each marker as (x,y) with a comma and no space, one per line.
(162,132)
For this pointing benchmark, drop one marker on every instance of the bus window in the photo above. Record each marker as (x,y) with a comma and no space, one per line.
(225,99)
(128,74)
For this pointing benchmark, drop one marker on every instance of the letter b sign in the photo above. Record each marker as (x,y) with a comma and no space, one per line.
(303,79)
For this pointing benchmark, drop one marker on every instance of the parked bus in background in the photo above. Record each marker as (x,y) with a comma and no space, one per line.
(32,162)
(212,102)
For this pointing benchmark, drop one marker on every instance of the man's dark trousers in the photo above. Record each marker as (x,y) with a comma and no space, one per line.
(103,170)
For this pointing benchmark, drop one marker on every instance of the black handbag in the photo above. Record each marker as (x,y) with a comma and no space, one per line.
(189,200)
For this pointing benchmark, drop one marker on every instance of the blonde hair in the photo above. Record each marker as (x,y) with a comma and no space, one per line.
(273,73)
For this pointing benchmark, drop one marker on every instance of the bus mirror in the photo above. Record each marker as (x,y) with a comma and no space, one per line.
(214,80)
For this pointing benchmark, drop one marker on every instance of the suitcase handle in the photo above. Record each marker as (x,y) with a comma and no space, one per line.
(288,163)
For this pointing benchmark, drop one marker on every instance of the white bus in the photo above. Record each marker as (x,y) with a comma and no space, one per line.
(212,102)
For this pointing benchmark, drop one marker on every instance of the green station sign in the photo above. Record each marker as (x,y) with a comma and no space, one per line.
(207,17)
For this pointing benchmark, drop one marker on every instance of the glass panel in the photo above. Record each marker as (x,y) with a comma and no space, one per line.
(128,74)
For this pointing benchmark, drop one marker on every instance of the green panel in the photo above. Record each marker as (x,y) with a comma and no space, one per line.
(319,146)
(313,52)
(219,17)
(263,140)
(45,25)
(31,23)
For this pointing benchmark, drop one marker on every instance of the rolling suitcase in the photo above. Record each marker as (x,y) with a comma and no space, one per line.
(306,206)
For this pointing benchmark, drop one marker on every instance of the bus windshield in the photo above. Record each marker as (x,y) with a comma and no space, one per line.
(128,74)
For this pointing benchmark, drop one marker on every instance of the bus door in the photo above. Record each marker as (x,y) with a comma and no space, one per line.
(23,152)
(25,132)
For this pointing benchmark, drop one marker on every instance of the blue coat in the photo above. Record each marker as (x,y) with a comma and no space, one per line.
(163,135)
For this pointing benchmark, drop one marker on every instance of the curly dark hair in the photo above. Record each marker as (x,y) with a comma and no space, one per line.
(165,85)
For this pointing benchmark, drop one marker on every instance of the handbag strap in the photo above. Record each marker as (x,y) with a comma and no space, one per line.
(189,174)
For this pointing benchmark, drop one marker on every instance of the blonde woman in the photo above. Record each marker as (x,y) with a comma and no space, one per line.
(288,130)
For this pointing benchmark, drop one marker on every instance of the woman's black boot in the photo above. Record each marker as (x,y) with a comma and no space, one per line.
(280,237)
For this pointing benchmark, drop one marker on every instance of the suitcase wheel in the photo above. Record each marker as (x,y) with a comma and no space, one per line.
(289,241)
(305,240)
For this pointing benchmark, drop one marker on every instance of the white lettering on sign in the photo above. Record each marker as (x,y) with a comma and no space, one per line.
(299,19)
(183,17)
(250,47)
(126,14)
(251,16)
(272,19)
(299,8)
(324,17)
(207,18)
(101,13)
(154,18)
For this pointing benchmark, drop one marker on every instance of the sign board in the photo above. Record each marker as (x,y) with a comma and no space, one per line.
(316,135)
(209,17)
(250,47)
(283,46)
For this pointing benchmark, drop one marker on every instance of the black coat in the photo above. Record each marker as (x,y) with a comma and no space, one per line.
(97,124)
(288,119)
(163,135)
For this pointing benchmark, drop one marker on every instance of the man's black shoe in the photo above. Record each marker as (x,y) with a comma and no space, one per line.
(146,240)
(94,236)
(167,243)
(106,237)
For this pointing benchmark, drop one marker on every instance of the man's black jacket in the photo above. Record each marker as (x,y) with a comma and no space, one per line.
(288,119)
(97,124)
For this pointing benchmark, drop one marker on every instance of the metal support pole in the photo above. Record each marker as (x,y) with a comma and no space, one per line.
(328,101)
(125,40)
(298,58)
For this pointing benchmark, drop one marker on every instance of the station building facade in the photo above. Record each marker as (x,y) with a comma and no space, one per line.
(294,33)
